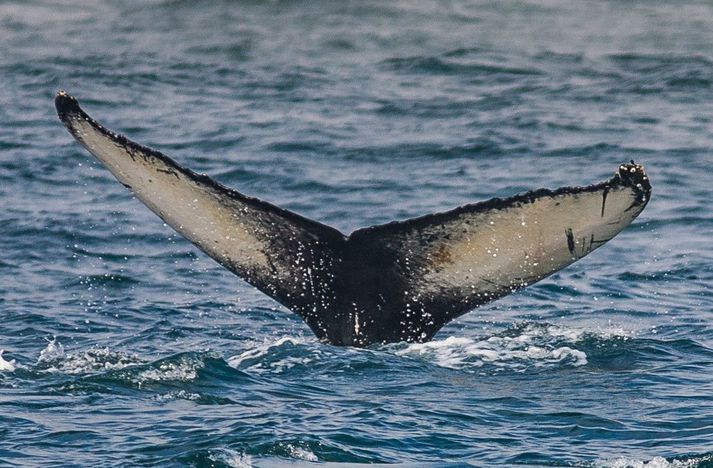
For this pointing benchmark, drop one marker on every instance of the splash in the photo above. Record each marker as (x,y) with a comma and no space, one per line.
(266,357)
(133,369)
(54,359)
(260,350)
(52,352)
(301,453)
(656,462)
(6,366)
(184,370)
(521,348)
(518,349)
(231,458)
(179,395)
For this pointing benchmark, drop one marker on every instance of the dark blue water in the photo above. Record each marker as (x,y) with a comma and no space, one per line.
(133,348)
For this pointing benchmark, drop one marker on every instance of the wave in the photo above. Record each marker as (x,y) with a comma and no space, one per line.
(53,358)
(231,458)
(277,355)
(182,370)
(6,366)
(523,348)
(656,462)
(433,64)
(651,73)
(121,367)
(526,347)
(278,454)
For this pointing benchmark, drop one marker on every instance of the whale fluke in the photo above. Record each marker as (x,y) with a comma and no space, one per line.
(400,281)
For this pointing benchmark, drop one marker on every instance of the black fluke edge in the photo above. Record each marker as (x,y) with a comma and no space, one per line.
(66,104)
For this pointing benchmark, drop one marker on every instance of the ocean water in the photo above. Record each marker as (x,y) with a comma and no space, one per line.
(126,346)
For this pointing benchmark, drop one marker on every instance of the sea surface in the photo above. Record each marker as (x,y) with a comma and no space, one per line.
(126,346)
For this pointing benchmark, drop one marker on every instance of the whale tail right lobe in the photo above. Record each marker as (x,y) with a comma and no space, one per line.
(443,265)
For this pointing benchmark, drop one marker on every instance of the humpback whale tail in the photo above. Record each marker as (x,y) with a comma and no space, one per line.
(400,281)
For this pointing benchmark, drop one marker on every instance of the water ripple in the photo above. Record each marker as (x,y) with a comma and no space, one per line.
(353,114)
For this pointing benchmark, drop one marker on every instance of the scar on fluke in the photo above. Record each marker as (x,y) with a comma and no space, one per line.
(604,200)
(570,241)
(400,281)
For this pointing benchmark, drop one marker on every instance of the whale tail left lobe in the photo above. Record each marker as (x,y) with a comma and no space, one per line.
(288,257)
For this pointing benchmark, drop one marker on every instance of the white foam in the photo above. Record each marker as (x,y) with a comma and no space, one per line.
(533,346)
(264,349)
(6,366)
(232,458)
(289,362)
(182,371)
(656,462)
(301,453)
(52,352)
(54,359)
(578,333)
(260,350)
(179,395)
(91,360)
